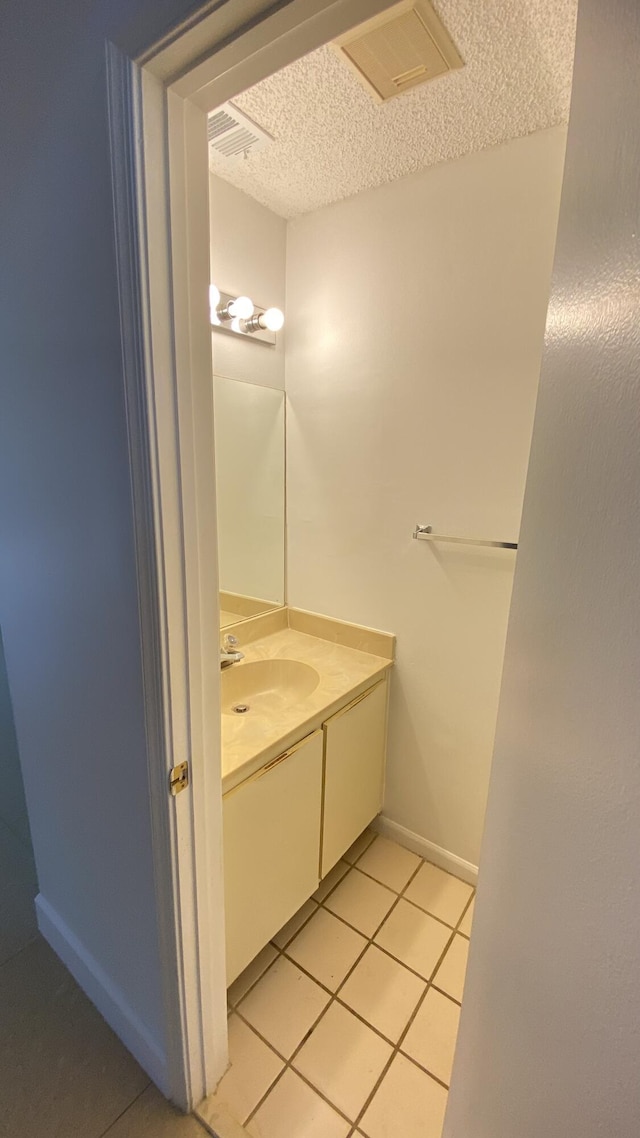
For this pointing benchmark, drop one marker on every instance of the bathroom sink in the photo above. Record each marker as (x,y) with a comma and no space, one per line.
(265,686)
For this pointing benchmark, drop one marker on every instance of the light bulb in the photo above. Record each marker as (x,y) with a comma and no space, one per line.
(241,307)
(273,319)
(214,301)
(236,326)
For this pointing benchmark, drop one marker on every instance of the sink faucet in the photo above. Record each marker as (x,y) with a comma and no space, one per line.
(229,653)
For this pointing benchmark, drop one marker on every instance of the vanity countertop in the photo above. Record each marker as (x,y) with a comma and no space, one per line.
(249,741)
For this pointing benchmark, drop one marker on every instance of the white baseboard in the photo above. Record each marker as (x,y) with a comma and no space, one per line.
(103,993)
(426,849)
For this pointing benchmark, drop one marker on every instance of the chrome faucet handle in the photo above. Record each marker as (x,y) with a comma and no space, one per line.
(229,642)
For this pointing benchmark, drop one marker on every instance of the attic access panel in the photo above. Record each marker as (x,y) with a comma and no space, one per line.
(399,49)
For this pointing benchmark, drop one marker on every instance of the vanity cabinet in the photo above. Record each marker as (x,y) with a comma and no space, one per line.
(289,823)
(271,841)
(355,749)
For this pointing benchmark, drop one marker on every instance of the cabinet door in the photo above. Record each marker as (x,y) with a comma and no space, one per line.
(271,846)
(355,749)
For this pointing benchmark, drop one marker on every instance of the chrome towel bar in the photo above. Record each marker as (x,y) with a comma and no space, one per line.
(425,533)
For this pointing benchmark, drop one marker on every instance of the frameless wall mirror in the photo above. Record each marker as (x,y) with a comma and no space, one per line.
(250,442)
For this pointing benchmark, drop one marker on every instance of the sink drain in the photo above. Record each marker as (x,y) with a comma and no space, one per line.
(240,708)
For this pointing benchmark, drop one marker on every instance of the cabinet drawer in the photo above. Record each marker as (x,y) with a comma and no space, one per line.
(271,840)
(355,750)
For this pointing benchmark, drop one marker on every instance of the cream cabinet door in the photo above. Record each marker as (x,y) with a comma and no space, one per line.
(271,846)
(355,750)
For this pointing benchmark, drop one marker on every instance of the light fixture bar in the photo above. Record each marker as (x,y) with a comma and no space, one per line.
(255,326)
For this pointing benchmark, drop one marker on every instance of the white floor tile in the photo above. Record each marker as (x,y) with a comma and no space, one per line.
(331,880)
(293,1110)
(413,937)
(467,920)
(451,973)
(439,893)
(254,1067)
(408,1103)
(327,948)
(431,1039)
(251,974)
(362,902)
(288,931)
(383,992)
(283,1006)
(359,846)
(343,1058)
(389,863)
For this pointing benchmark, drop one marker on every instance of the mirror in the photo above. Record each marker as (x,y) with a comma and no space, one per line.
(250,468)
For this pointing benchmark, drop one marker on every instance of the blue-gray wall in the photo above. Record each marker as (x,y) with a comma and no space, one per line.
(549,1035)
(68,604)
(13,808)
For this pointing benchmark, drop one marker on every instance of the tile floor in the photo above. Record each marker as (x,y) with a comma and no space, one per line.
(346,1024)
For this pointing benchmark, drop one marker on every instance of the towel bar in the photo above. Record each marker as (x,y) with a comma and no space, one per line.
(425,533)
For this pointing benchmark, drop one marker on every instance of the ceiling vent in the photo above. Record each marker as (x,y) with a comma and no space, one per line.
(233,134)
(402,47)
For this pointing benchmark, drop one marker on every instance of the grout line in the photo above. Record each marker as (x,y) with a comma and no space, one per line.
(332,1000)
(335,997)
(333,887)
(32,940)
(288,1066)
(123,1112)
(400,894)
(293,936)
(403,1034)
(468,905)
(281,951)
(232,1007)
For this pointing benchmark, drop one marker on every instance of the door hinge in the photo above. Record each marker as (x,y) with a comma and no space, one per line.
(179,778)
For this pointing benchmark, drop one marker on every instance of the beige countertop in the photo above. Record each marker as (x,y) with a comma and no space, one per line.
(250,741)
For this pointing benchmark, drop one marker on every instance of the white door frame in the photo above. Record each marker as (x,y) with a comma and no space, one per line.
(157,120)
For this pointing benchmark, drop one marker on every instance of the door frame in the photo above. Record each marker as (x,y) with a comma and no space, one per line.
(158,108)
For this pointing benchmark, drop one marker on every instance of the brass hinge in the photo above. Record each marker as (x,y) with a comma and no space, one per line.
(179,778)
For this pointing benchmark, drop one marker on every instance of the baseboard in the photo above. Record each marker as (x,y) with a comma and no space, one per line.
(103,993)
(426,849)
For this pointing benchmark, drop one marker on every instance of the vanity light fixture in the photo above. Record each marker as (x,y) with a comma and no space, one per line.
(214,301)
(236,308)
(271,320)
(239,315)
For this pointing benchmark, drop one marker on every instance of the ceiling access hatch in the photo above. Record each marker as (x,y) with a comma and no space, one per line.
(402,47)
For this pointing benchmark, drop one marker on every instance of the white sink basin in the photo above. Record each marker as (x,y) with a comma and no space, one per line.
(266,686)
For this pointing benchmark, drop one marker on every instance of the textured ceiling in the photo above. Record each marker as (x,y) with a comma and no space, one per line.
(332,140)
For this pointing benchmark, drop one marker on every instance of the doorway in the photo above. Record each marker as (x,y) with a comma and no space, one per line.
(172,102)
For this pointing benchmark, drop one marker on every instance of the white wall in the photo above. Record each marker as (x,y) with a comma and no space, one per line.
(549,1033)
(68,597)
(248,257)
(415,322)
